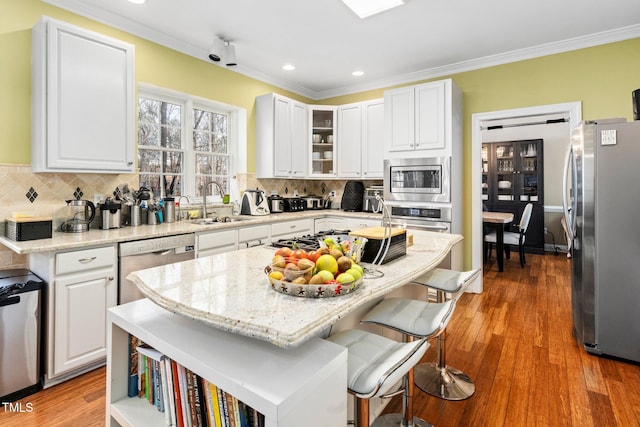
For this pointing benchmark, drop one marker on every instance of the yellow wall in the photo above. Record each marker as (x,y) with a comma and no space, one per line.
(602,77)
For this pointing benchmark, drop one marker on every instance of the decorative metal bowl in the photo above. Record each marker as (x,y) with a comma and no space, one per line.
(310,290)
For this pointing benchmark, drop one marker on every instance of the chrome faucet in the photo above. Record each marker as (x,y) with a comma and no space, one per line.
(204,195)
(180,210)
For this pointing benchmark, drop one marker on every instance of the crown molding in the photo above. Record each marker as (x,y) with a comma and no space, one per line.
(591,40)
(124,24)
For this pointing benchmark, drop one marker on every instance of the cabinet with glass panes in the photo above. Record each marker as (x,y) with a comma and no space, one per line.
(323,141)
(512,176)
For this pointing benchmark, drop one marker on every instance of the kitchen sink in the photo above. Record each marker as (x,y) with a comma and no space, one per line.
(218,220)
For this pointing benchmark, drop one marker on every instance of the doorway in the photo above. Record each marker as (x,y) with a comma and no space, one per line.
(572,110)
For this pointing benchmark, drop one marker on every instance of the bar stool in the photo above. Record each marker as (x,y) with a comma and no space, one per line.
(436,378)
(374,365)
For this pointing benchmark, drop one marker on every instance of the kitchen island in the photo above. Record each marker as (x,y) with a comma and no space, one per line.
(219,317)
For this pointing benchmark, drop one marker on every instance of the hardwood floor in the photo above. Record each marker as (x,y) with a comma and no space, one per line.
(514,340)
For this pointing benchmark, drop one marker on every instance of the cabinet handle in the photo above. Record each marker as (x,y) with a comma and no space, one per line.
(129,163)
(110,278)
(86,260)
(292,226)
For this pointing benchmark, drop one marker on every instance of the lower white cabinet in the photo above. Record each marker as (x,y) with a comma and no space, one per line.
(216,242)
(298,227)
(305,385)
(82,285)
(255,235)
(343,223)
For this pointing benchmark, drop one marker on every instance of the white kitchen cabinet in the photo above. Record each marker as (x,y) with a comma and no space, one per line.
(82,100)
(254,235)
(82,285)
(345,223)
(361,140)
(285,229)
(350,141)
(373,139)
(282,384)
(323,141)
(281,137)
(216,242)
(420,120)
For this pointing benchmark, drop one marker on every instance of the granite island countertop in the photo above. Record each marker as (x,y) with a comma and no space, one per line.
(231,292)
(94,237)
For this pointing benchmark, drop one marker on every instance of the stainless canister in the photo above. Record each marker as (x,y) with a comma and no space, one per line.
(135,215)
(152,219)
(169,209)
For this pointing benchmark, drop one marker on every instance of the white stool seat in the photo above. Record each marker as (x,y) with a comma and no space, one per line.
(446,280)
(411,317)
(376,363)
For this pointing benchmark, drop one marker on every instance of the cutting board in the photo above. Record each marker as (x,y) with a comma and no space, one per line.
(377,232)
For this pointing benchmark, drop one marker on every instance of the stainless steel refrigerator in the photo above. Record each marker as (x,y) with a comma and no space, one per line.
(602,212)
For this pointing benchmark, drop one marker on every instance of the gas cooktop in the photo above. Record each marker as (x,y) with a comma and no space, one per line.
(308,242)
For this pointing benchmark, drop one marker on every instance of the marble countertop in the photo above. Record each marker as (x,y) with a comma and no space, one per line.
(231,292)
(94,237)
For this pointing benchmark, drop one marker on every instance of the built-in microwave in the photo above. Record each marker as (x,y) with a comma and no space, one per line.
(418,180)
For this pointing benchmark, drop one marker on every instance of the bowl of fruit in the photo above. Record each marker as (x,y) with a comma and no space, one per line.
(313,274)
(350,246)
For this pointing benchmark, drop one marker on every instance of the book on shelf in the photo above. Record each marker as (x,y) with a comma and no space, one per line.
(186,399)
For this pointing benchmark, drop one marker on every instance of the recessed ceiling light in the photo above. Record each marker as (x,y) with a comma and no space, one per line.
(358,73)
(137,1)
(365,8)
(288,67)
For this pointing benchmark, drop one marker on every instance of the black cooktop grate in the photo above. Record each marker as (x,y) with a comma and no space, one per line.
(308,242)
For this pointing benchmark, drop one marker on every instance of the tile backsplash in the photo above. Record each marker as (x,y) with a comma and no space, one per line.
(44,194)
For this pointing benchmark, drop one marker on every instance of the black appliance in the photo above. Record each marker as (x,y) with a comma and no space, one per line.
(21,318)
(636,104)
(352,196)
(293,204)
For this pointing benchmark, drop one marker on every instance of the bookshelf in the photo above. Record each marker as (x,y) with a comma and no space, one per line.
(285,385)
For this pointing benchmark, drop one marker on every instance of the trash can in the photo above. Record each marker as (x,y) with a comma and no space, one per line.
(20,334)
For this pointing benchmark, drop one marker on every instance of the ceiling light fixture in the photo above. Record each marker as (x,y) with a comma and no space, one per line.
(288,67)
(223,50)
(230,54)
(358,73)
(365,8)
(137,1)
(217,49)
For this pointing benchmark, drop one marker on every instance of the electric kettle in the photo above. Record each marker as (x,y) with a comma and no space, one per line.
(81,213)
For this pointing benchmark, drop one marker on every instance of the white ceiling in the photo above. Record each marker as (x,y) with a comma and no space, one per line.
(326,41)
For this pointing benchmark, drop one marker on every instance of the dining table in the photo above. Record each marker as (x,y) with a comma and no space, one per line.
(497,220)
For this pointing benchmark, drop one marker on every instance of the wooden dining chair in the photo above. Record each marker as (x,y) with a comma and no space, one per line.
(513,238)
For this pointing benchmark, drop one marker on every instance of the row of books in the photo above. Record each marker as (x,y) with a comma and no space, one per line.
(186,399)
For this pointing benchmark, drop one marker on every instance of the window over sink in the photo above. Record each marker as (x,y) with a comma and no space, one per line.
(184,142)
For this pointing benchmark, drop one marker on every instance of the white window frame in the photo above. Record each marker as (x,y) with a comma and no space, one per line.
(236,133)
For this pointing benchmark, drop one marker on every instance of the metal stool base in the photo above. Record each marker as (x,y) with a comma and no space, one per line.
(395,420)
(448,383)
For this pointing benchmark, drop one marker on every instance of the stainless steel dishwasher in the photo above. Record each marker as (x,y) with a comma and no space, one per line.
(141,254)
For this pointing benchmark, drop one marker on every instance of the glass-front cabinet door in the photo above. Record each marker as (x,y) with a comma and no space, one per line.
(512,171)
(529,153)
(505,172)
(323,140)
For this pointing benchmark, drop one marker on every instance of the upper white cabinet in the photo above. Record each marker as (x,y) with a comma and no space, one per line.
(82,100)
(361,140)
(421,120)
(323,141)
(350,137)
(281,137)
